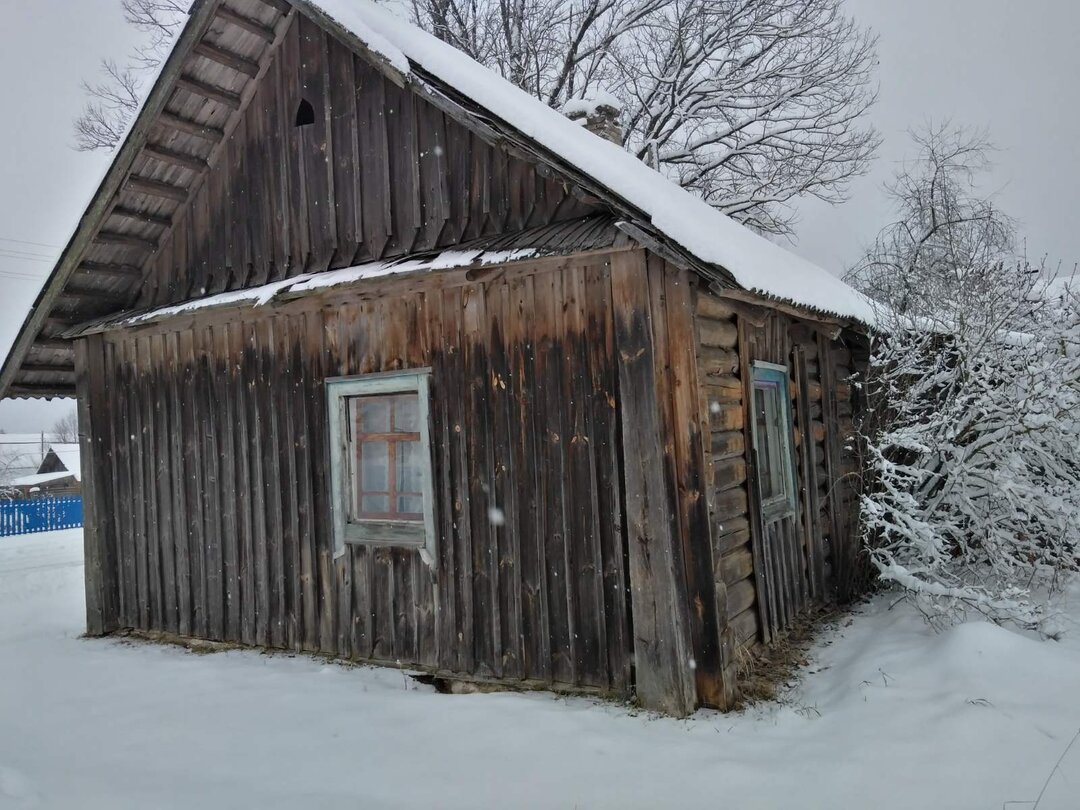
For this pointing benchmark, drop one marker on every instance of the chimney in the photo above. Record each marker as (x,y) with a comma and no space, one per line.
(599,113)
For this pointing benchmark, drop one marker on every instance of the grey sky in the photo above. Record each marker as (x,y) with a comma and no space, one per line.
(1003,64)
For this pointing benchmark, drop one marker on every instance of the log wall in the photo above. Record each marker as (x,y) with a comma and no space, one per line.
(767,573)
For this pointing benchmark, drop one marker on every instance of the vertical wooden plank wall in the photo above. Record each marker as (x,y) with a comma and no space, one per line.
(381,173)
(217,439)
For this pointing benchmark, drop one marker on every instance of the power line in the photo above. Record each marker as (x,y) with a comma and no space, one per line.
(24,242)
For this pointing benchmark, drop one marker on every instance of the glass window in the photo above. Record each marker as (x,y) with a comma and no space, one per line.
(381,460)
(772,431)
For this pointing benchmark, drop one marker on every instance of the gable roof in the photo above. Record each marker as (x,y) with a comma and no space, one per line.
(197,98)
(69,456)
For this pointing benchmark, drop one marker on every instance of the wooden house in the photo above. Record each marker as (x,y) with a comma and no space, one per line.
(377,356)
(58,474)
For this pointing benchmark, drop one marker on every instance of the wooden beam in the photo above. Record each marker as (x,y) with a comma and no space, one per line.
(153,188)
(47,368)
(125,239)
(210,91)
(142,217)
(192,162)
(87,294)
(283,6)
(233,61)
(53,345)
(43,390)
(121,271)
(190,127)
(246,23)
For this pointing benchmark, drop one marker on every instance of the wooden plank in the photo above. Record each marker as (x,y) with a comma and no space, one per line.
(194,490)
(255,27)
(233,61)
(189,127)
(208,91)
(176,418)
(757,529)
(101,569)
(140,217)
(662,644)
(163,154)
(154,188)
(289,358)
(273,485)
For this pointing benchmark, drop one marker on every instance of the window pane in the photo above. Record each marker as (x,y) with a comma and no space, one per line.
(407,414)
(765,439)
(410,505)
(409,461)
(374,415)
(374,466)
(374,504)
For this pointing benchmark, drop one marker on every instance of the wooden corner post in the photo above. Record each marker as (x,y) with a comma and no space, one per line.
(99,542)
(662,647)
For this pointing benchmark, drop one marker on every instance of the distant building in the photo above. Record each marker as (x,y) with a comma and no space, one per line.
(59,473)
(21,454)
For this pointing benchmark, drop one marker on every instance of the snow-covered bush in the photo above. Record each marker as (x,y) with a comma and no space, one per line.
(972,436)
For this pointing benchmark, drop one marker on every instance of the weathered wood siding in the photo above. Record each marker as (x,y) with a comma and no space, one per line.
(380,173)
(768,572)
(215,442)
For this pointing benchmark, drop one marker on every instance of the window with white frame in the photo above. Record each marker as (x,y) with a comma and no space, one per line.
(772,433)
(381,459)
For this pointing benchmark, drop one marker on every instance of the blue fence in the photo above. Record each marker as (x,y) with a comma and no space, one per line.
(40,515)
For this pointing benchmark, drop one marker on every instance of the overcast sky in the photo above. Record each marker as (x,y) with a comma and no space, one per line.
(1008,66)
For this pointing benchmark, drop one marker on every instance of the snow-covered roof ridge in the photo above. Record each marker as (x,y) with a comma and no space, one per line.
(708,235)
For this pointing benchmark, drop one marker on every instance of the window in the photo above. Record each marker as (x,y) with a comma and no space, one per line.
(381,460)
(772,430)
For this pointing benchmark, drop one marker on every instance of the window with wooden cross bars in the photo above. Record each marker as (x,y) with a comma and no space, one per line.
(381,459)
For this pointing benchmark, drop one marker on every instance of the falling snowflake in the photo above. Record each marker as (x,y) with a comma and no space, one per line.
(496,516)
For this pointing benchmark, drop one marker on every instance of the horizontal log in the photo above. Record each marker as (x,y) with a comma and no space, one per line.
(729,473)
(813,391)
(732,541)
(190,127)
(153,188)
(208,91)
(745,627)
(727,444)
(709,306)
(818,431)
(233,61)
(732,525)
(731,503)
(718,334)
(722,388)
(724,417)
(716,362)
(843,392)
(740,596)
(737,565)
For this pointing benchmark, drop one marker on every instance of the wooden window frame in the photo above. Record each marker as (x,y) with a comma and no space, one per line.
(777,378)
(378,532)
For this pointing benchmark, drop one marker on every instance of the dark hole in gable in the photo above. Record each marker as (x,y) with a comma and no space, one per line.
(305,113)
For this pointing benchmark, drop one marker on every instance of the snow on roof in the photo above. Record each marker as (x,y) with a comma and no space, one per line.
(713,238)
(41,478)
(69,456)
(312,282)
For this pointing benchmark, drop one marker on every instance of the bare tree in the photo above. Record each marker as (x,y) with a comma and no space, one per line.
(750,103)
(114,98)
(972,443)
(66,429)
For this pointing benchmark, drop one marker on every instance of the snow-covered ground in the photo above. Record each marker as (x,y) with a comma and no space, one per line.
(889,715)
